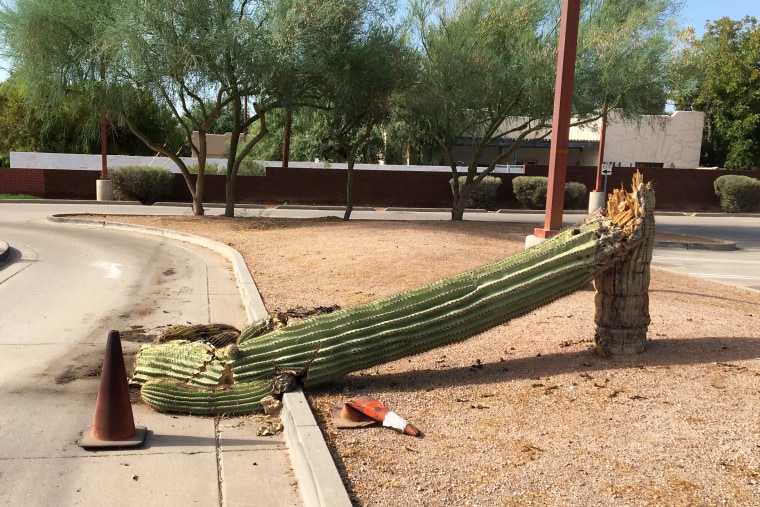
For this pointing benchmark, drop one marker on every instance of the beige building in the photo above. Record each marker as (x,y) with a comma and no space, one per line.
(216,144)
(653,141)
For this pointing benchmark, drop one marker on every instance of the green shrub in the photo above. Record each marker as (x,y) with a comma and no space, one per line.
(530,191)
(483,196)
(737,193)
(141,183)
(575,195)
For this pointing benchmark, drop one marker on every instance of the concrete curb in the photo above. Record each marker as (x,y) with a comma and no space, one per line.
(318,478)
(725,246)
(323,207)
(317,474)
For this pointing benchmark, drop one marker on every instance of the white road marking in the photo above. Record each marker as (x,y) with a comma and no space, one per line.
(676,258)
(112,269)
(736,277)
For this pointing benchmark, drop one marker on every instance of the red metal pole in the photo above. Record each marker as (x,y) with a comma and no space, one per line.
(103,129)
(103,146)
(563,104)
(602,136)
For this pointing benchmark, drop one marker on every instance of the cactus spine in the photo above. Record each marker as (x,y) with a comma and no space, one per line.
(199,378)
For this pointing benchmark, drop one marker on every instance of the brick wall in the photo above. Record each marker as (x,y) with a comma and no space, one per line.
(22,181)
(675,189)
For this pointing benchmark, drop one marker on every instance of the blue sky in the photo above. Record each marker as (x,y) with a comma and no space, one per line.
(696,12)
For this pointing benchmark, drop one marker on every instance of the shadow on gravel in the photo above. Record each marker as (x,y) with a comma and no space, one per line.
(661,352)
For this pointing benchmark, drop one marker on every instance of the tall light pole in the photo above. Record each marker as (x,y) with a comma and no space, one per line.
(103,186)
(563,105)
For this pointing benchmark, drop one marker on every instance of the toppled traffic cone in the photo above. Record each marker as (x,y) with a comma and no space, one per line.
(113,424)
(365,411)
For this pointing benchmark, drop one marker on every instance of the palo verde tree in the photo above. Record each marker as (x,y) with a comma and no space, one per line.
(488,72)
(198,58)
(58,58)
(721,76)
(193,57)
(360,74)
(351,60)
(26,128)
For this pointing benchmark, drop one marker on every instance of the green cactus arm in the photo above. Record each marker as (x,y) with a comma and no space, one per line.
(172,396)
(194,363)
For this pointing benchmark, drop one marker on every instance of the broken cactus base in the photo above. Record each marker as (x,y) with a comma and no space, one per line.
(622,291)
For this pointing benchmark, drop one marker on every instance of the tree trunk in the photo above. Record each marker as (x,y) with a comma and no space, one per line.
(286,138)
(457,210)
(198,195)
(349,191)
(622,292)
(229,196)
(198,204)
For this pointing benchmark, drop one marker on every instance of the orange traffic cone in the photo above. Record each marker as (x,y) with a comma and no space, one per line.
(113,424)
(379,412)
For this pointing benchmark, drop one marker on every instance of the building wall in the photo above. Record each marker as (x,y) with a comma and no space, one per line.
(669,140)
(531,156)
(216,144)
(673,141)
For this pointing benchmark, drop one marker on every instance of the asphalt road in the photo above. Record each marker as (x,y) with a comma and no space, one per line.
(61,290)
(738,267)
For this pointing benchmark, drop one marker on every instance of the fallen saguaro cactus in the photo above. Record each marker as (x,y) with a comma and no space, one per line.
(199,378)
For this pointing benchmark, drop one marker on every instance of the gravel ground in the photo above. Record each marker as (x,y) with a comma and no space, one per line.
(524,414)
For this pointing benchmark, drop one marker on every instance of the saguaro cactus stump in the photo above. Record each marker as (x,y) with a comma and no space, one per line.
(622,291)
(196,377)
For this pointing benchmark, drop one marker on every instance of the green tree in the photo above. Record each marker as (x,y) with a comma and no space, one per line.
(488,71)
(194,58)
(725,84)
(24,128)
(362,68)
(201,59)
(57,56)
(309,140)
(18,132)
(349,60)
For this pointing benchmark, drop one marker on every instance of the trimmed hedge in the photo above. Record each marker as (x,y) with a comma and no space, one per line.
(483,196)
(141,183)
(530,191)
(737,193)
(576,195)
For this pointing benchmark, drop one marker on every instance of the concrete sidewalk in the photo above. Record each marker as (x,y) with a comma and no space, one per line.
(185,459)
(294,468)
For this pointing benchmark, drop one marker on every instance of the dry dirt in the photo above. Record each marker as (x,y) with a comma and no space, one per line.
(524,414)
